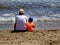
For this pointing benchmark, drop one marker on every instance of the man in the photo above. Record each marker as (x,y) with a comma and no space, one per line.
(20,21)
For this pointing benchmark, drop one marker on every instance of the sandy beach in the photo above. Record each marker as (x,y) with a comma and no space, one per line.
(37,37)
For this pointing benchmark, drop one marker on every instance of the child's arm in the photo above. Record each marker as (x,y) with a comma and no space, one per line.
(34,26)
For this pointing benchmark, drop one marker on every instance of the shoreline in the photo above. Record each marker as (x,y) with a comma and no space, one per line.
(37,37)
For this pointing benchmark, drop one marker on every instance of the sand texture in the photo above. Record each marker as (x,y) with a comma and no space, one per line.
(39,37)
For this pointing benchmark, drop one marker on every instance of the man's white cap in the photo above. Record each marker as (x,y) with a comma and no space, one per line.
(21,10)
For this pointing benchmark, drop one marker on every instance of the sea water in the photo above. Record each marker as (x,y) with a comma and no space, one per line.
(45,14)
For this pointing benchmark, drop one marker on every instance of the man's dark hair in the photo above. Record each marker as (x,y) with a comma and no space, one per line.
(21,13)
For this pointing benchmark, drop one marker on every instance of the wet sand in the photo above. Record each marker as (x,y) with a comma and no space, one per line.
(37,37)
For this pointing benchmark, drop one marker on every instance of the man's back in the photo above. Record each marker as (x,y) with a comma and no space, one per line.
(20,22)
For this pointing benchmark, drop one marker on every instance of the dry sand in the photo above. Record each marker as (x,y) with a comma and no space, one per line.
(41,37)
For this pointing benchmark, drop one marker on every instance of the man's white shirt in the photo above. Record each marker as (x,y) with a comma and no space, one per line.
(20,21)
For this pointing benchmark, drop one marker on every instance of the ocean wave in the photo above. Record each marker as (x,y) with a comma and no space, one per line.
(11,18)
(7,18)
(30,5)
(54,17)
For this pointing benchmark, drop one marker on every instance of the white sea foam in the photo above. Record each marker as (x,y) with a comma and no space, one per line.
(46,17)
(7,18)
(11,17)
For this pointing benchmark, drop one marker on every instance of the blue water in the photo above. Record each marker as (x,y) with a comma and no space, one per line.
(45,16)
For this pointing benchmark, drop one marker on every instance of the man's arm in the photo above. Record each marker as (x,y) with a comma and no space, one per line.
(15,26)
(15,23)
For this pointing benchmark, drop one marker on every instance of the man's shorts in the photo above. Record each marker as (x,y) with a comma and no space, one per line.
(20,30)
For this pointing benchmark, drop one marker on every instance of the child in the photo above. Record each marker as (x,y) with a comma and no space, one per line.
(30,25)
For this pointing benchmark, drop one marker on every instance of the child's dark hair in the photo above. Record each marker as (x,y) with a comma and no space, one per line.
(30,19)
